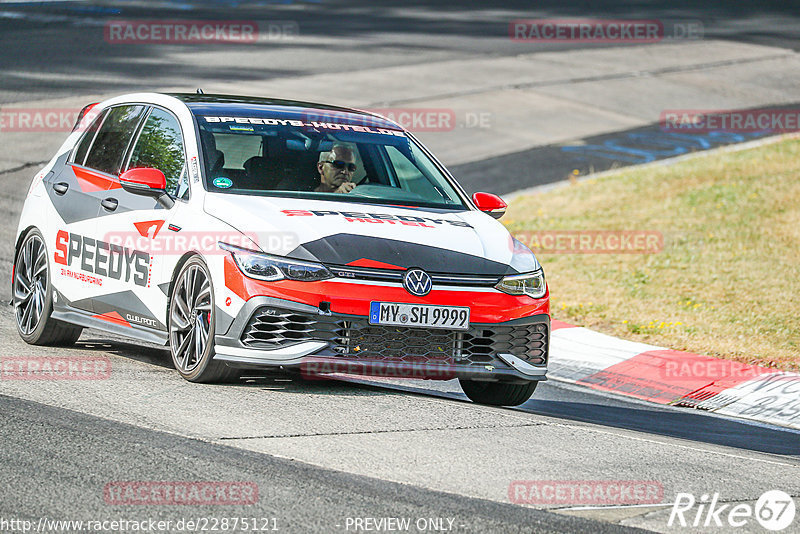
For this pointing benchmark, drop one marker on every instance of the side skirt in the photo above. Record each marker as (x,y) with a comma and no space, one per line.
(86,319)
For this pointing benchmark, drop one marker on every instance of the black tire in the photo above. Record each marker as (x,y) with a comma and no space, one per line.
(191,318)
(32,295)
(497,393)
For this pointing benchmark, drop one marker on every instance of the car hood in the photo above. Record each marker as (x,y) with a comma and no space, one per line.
(371,235)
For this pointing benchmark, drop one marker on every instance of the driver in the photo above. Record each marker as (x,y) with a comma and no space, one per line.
(336,168)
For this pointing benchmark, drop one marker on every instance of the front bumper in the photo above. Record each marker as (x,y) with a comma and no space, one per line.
(272,332)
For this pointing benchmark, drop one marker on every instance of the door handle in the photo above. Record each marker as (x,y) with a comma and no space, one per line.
(109,204)
(60,188)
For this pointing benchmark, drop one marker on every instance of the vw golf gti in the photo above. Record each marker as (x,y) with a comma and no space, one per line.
(250,233)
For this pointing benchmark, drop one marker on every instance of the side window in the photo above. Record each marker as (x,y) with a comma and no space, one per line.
(415,174)
(160,146)
(88,137)
(409,176)
(113,138)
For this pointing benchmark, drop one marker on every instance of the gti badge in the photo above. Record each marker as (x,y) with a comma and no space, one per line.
(417,282)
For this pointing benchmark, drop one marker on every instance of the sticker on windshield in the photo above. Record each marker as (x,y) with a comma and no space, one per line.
(242,128)
(341,126)
(222,182)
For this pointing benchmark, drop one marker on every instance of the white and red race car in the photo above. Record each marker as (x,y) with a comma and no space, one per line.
(251,233)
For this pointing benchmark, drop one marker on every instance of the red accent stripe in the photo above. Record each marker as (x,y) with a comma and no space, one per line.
(90,181)
(354,299)
(113,317)
(364,262)
(234,279)
(666,376)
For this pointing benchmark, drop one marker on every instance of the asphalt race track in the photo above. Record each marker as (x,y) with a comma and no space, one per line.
(327,455)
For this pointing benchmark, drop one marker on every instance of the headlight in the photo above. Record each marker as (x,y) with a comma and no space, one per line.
(271,268)
(531,284)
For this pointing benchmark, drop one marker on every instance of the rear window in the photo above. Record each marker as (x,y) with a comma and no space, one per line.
(88,137)
(112,139)
(238,148)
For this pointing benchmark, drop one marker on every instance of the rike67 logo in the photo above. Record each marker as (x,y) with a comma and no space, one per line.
(774,510)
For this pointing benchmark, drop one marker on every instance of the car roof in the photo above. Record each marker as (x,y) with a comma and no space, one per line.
(243,106)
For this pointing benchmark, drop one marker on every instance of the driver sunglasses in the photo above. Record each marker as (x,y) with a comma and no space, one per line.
(339,164)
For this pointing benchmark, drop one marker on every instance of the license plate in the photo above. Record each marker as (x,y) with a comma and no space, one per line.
(419,315)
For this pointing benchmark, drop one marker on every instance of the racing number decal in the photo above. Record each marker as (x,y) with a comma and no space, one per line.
(145,227)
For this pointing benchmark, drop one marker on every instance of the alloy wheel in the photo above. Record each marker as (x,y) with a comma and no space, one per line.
(30,284)
(190,318)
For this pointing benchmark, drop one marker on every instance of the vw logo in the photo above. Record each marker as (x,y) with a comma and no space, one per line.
(417,282)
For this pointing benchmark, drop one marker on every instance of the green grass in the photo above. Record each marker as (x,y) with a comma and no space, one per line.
(727,282)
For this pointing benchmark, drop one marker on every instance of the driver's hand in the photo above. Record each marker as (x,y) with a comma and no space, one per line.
(346,187)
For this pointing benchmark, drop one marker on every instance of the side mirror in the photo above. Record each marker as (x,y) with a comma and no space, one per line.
(489,203)
(147,182)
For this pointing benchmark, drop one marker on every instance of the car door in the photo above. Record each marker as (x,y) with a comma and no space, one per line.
(78,189)
(138,223)
(72,196)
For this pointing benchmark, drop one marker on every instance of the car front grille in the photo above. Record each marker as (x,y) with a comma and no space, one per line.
(392,275)
(357,339)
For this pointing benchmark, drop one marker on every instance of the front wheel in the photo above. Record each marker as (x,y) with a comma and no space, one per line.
(191,326)
(497,393)
(33,297)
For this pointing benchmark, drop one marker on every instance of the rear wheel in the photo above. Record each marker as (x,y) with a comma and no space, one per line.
(191,326)
(33,297)
(497,393)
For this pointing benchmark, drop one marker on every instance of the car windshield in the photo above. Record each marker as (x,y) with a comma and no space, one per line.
(309,159)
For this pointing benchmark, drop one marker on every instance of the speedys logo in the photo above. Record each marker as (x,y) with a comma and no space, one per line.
(356,216)
(101,258)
